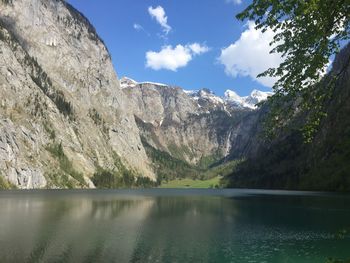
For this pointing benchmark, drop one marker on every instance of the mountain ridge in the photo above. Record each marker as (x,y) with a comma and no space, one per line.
(230,97)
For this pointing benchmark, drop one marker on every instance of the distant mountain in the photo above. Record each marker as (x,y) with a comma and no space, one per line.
(257,96)
(197,127)
(126,82)
(250,101)
(230,99)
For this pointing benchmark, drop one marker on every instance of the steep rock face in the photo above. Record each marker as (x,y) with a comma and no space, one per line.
(191,126)
(58,86)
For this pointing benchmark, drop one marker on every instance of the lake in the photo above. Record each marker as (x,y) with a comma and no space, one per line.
(169,225)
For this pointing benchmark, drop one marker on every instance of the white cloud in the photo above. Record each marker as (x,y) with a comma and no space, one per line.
(198,49)
(172,58)
(236,2)
(249,55)
(158,13)
(138,27)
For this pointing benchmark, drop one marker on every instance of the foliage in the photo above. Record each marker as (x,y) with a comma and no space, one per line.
(290,164)
(168,167)
(42,80)
(109,179)
(275,167)
(121,177)
(222,170)
(180,152)
(5,184)
(208,161)
(65,165)
(287,163)
(337,165)
(323,164)
(7,2)
(145,182)
(38,105)
(50,130)
(104,178)
(192,183)
(98,120)
(60,179)
(307,33)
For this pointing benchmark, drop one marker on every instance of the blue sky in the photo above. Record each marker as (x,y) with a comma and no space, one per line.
(192,44)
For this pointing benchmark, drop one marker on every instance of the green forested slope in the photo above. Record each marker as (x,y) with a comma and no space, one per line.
(324,164)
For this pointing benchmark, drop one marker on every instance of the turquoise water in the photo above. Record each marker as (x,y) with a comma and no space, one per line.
(162,225)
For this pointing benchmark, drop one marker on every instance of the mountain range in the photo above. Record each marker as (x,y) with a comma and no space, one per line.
(67,121)
(230,98)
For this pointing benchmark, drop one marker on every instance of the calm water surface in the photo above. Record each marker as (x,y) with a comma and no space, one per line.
(163,225)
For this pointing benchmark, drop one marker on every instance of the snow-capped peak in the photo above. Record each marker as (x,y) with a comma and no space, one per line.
(260,95)
(230,98)
(230,95)
(257,96)
(153,83)
(233,99)
(128,82)
(205,94)
(250,101)
(191,93)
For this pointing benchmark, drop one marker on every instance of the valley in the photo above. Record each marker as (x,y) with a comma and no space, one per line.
(68,121)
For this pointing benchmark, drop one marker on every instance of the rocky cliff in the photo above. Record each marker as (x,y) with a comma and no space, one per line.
(60,100)
(195,126)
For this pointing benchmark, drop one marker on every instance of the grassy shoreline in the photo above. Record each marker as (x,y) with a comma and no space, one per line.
(191,183)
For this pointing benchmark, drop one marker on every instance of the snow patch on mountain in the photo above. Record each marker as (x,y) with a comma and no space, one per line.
(209,95)
(126,82)
(191,92)
(230,98)
(257,96)
(250,101)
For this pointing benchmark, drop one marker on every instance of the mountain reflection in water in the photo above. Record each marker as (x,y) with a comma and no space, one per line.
(173,226)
